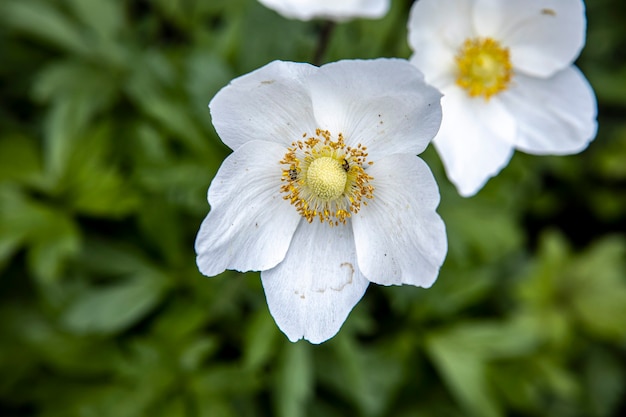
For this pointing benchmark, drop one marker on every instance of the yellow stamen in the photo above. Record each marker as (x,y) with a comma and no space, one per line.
(484,67)
(323,178)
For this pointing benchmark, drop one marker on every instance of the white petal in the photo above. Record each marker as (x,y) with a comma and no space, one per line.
(383,104)
(249,226)
(476,139)
(544,36)
(437,29)
(313,290)
(400,239)
(437,64)
(328,9)
(445,22)
(271,103)
(556,115)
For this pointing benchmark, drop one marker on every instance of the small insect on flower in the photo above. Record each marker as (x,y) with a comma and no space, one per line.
(330,200)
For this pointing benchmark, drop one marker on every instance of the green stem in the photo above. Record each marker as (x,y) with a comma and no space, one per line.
(323,40)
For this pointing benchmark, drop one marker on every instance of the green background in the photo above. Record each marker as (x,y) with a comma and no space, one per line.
(106,153)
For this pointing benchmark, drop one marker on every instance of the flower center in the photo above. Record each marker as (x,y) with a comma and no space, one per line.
(323,178)
(326,178)
(484,67)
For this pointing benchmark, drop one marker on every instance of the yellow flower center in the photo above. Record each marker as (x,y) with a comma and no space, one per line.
(484,67)
(325,179)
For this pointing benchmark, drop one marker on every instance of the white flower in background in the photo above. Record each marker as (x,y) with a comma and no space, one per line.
(337,10)
(505,69)
(324,192)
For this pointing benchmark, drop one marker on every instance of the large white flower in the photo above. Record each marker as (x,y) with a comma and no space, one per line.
(337,10)
(324,192)
(505,69)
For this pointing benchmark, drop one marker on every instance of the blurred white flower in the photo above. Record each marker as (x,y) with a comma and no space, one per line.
(324,192)
(505,69)
(336,10)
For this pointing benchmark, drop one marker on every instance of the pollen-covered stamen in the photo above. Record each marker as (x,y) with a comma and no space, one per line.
(326,179)
(483,67)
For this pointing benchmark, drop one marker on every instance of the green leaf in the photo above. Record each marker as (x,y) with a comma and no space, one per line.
(480,232)
(94,84)
(206,74)
(589,288)
(464,372)
(368,377)
(605,383)
(462,355)
(608,85)
(261,339)
(152,88)
(184,185)
(196,352)
(44,21)
(171,113)
(172,408)
(49,234)
(104,17)
(223,380)
(162,227)
(609,160)
(91,182)
(20,159)
(599,277)
(180,319)
(135,287)
(457,288)
(64,122)
(114,307)
(78,92)
(294,380)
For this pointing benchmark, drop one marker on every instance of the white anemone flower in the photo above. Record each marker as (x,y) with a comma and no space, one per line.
(505,69)
(336,10)
(324,192)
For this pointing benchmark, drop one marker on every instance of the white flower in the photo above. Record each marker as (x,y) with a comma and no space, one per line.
(337,10)
(505,69)
(324,192)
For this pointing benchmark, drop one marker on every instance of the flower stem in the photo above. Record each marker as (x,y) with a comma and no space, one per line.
(323,40)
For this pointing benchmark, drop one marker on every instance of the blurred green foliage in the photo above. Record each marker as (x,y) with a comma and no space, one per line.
(106,153)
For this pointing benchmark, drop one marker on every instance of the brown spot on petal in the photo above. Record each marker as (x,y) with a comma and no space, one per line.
(349,281)
(548,12)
